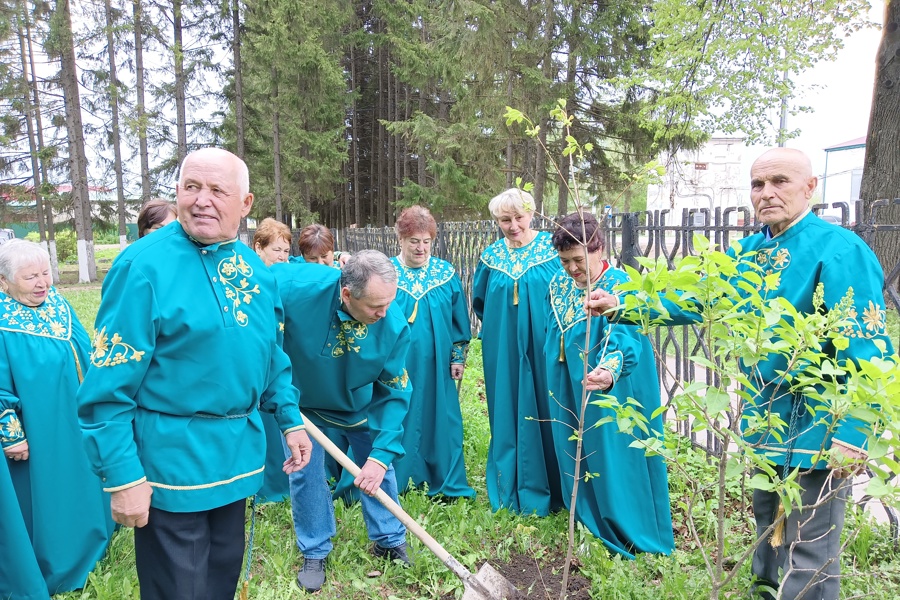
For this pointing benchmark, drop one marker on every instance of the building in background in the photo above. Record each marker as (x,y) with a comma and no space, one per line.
(842,178)
(706,178)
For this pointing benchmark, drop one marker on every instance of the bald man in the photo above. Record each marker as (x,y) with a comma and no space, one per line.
(185,356)
(805,252)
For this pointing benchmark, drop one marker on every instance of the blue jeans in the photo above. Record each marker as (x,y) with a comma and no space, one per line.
(313,508)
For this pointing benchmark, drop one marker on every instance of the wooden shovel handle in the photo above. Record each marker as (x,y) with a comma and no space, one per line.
(394,508)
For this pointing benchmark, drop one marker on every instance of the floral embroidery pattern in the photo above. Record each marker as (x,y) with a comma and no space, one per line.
(458,353)
(872,324)
(109,352)
(348,336)
(772,260)
(235,276)
(567,299)
(419,281)
(11,431)
(516,261)
(612,362)
(400,382)
(52,319)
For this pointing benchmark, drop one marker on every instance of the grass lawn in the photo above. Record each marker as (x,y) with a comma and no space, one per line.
(514,544)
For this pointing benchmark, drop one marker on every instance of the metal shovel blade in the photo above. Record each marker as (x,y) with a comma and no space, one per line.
(489,584)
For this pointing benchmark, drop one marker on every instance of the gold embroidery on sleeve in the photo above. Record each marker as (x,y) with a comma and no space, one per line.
(399,382)
(109,352)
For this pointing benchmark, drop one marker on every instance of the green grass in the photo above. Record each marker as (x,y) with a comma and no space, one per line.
(473,534)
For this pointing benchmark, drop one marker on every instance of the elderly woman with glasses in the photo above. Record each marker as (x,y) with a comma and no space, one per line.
(430,295)
(56,520)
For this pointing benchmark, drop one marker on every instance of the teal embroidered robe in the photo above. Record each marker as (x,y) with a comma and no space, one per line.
(509,296)
(185,356)
(626,505)
(808,253)
(55,520)
(432,300)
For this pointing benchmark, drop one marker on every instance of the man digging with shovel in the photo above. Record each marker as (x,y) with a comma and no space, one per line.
(348,348)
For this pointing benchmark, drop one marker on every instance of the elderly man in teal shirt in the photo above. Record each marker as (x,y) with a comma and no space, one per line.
(185,356)
(348,344)
(804,252)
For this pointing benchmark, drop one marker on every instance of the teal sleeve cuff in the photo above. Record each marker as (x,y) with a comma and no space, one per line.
(11,431)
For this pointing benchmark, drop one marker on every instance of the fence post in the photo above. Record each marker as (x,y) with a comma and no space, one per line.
(630,249)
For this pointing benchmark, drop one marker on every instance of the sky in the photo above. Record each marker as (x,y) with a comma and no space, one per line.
(841,97)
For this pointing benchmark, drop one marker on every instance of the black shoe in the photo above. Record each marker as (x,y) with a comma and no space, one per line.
(397,553)
(312,574)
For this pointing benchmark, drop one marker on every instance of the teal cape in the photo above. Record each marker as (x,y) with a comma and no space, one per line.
(56,521)
(432,300)
(809,253)
(509,296)
(626,501)
(185,356)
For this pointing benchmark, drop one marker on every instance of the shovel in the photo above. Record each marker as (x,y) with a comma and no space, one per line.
(488,584)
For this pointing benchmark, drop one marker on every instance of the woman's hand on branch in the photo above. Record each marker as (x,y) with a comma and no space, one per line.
(600,302)
(598,380)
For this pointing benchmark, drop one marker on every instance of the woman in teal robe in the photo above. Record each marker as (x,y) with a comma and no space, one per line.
(625,502)
(56,521)
(431,297)
(509,296)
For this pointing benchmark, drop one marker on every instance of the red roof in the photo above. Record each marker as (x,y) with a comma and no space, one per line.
(859,142)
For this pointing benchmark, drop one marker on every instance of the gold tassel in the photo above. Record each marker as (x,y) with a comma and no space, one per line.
(245,590)
(516,293)
(412,317)
(562,347)
(777,538)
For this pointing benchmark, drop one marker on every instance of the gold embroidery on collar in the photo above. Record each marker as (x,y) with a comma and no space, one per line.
(109,352)
(347,337)
(52,319)
(419,281)
(235,276)
(516,261)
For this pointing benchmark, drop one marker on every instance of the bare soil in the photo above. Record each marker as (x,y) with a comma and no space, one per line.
(542,579)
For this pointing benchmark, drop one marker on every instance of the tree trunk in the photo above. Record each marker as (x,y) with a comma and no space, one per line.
(354,139)
(240,149)
(38,120)
(562,203)
(114,106)
(510,149)
(881,172)
(180,110)
(27,79)
(139,101)
(87,269)
(276,148)
(540,160)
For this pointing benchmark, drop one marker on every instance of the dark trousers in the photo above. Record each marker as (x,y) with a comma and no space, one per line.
(809,557)
(191,556)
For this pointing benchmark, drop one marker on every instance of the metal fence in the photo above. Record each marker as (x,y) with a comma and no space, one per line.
(628,236)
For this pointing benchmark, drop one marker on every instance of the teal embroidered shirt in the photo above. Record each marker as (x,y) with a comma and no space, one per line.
(186,353)
(808,253)
(350,375)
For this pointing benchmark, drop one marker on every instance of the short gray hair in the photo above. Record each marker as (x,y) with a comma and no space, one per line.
(363,266)
(16,253)
(513,201)
(241,175)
